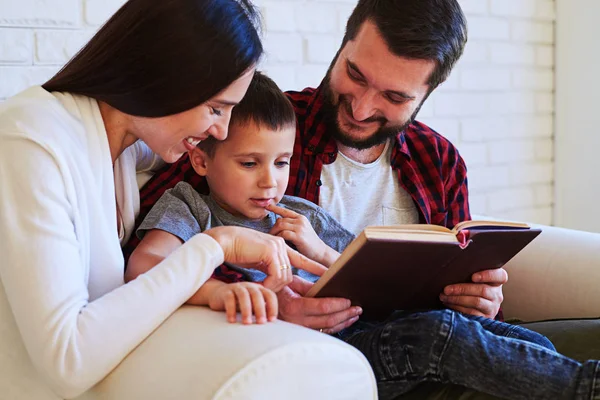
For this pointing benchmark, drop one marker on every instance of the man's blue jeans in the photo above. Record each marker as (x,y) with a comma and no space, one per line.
(489,356)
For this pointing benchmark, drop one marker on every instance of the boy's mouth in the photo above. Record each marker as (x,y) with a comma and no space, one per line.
(262,202)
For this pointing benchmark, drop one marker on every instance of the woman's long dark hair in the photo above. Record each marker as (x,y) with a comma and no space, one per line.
(157,58)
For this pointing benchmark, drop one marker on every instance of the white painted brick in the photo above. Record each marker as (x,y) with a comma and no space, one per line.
(488,28)
(511,102)
(320,48)
(64,13)
(447,127)
(544,149)
(474,154)
(533,32)
(484,129)
(544,102)
(427,109)
(316,18)
(478,204)
(283,47)
(544,195)
(16,46)
(487,79)
(343,13)
(544,56)
(511,151)
(471,7)
(545,10)
(512,54)
(533,79)
(283,75)
(510,199)
(513,8)
(15,79)
(278,16)
(452,83)
(481,178)
(97,12)
(525,174)
(459,104)
(310,75)
(537,215)
(57,47)
(476,52)
(538,126)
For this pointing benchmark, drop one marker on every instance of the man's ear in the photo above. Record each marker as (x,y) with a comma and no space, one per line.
(199,160)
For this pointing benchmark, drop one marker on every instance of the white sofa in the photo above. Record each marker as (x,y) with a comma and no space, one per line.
(555,277)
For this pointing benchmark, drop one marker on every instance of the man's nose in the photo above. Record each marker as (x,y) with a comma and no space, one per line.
(363,106)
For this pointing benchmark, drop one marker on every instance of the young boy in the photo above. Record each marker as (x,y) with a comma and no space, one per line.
(248,174)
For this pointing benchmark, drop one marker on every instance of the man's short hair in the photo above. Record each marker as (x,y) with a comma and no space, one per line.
(433,30)
(264,105)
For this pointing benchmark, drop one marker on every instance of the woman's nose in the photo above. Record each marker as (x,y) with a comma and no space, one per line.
(218,131)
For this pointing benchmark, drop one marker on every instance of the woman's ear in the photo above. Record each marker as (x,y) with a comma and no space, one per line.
(199,161)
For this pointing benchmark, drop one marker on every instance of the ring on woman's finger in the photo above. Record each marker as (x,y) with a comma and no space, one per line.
(321,330)
(284,266)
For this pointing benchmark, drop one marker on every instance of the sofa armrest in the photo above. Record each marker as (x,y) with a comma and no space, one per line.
(556,276)
(196,354)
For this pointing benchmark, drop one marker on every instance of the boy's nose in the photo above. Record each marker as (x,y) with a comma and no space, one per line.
(268,180)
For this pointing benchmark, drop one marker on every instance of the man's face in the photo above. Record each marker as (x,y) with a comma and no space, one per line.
(372,94)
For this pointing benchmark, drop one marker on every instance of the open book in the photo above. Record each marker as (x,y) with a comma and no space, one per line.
(406,267)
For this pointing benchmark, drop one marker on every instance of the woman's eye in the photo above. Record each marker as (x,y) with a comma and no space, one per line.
(216,111)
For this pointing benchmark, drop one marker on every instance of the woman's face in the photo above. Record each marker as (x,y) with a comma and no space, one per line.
(172,136)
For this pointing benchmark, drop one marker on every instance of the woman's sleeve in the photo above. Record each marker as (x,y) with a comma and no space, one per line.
(72,341)
(146,159)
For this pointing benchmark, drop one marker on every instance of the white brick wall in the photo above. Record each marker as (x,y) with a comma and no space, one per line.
(497,106)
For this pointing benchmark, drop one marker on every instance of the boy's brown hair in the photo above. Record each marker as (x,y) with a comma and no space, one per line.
(264,104)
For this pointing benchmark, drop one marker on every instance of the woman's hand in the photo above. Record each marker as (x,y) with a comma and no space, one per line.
(248,298)
(296,229)
(251,249)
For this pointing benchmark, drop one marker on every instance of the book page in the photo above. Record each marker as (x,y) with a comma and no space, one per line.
(498,224)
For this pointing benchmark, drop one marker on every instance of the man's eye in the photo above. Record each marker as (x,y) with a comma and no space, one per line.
(354,75)
(395,99)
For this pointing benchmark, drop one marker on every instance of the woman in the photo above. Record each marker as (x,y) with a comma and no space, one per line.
(159,77)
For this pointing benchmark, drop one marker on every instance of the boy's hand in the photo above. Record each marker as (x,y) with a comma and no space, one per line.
(248,298)
(295,228)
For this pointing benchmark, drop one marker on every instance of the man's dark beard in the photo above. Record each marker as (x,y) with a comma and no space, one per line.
(331,111)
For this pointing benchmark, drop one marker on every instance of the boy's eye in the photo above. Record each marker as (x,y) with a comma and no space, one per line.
(248,164)
(282,164)
(216,111)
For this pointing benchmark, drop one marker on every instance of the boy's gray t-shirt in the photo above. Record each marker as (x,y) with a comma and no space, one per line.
(184,213)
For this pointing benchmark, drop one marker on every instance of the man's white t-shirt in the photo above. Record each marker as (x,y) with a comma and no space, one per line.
(359,195)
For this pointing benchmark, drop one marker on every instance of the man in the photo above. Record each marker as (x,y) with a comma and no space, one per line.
(360,154)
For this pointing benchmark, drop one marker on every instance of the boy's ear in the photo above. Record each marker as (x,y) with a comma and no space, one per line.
(199,160)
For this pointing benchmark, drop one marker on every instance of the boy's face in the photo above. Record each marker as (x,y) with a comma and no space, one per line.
(249,170)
